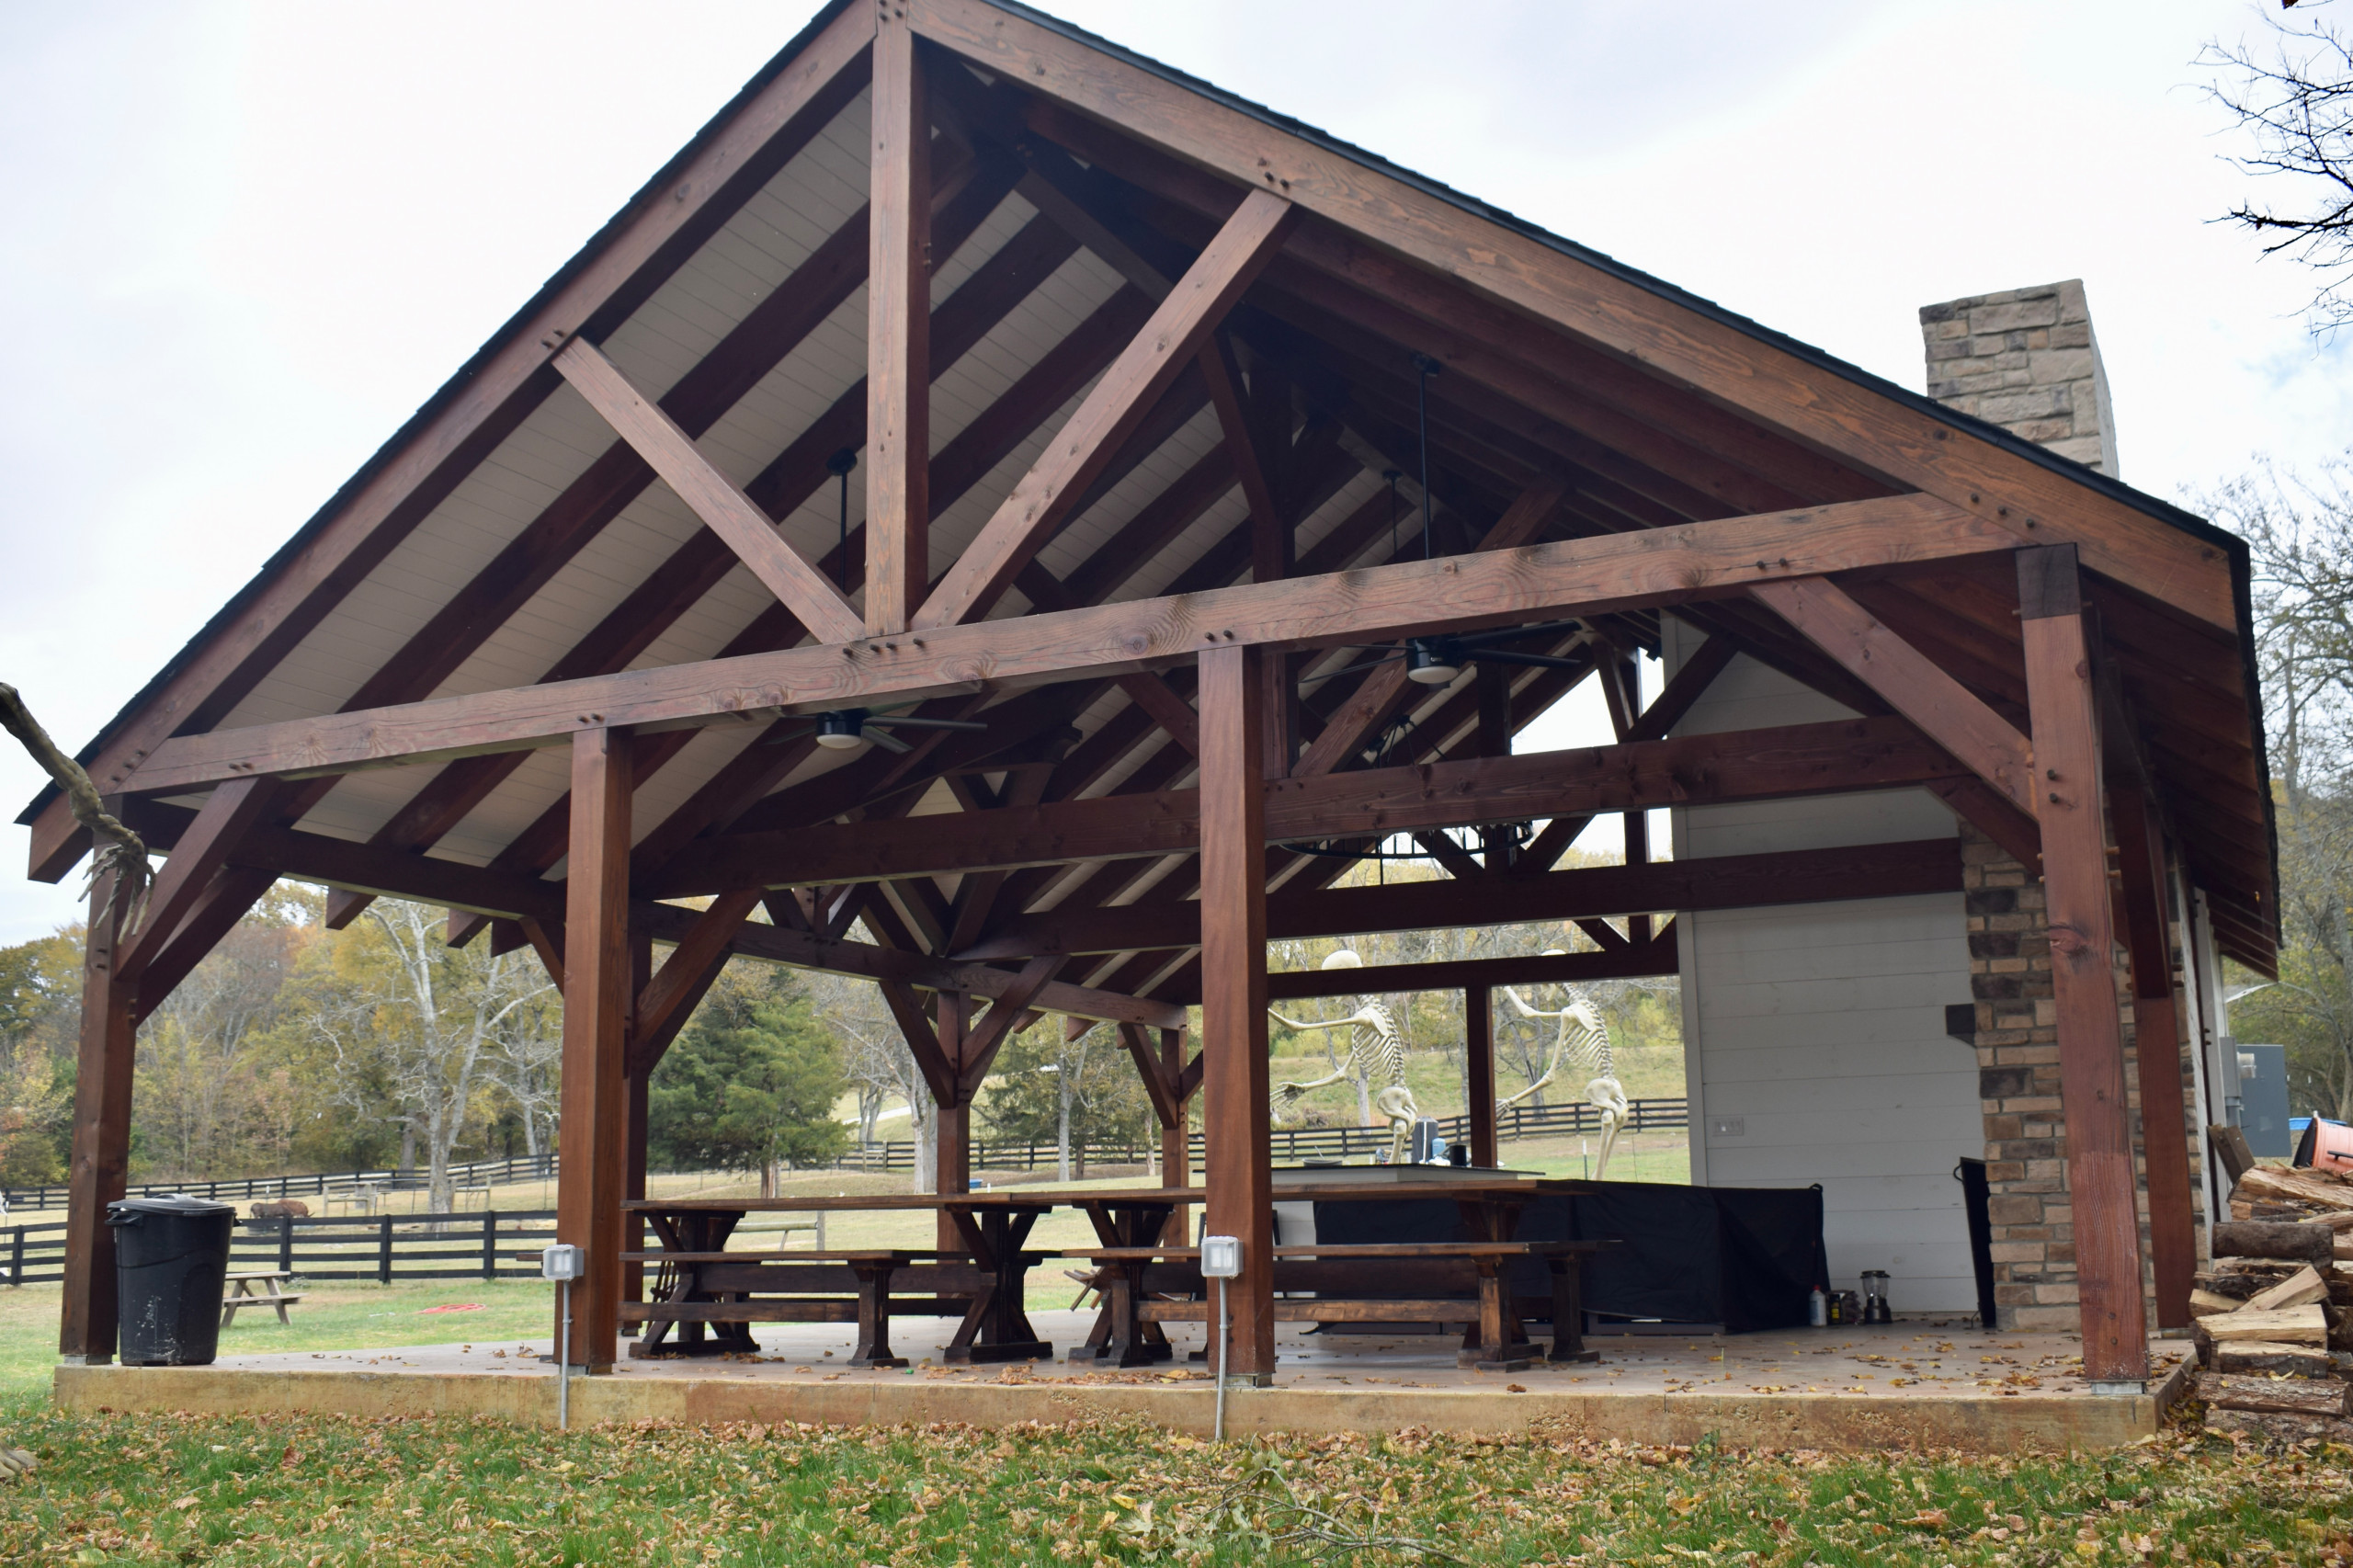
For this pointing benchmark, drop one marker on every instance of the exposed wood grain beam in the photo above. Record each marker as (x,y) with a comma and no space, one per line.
(1848,416)
(1385,685)
(1653,957)
(923,1040)
(799,949)
(724,509)
(1041,502)
(227,899)
(993,1028)
(685,970)
(1919,689)
(1730,881)
(232,812)
(663,225)
(1499,587)
(898,333)
(1800,759)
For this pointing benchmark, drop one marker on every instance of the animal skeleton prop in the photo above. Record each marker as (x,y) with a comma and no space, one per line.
(1583,1040)
(1376,1050)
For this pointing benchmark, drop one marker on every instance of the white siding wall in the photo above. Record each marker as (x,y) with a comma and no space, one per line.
(1820,1027)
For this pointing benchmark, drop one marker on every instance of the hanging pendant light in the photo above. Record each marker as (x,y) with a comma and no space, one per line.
(1432,661)
(842,731)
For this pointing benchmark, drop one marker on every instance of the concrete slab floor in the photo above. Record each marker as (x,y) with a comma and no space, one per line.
(1919,1384)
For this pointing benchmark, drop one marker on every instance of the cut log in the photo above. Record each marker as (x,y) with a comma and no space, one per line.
(2264,1355)
(2230,1145)
(2343,1246)
(2301,1396)
(2205,1304)
(2281,1427)
(2303,1286)
(2268,1184)
(2306,1324)
(2267,1238)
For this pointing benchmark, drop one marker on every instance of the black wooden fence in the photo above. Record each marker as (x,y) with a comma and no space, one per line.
(381,1247)
(1298,1142)
(319,1184)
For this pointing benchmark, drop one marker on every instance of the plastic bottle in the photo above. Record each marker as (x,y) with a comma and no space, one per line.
(1818,1308)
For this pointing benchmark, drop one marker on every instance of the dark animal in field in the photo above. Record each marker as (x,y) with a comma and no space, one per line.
(282,1208)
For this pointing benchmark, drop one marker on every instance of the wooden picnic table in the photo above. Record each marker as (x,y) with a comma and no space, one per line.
(241,1293)
(984,1284)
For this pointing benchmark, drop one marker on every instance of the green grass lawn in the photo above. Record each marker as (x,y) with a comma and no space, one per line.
(316,1492)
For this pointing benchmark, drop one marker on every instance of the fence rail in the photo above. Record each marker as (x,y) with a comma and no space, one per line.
(1290,1143)
(382,1247)
(319,1184)
(1296,1143)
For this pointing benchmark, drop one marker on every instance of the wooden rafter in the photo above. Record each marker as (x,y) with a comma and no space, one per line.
(898,334)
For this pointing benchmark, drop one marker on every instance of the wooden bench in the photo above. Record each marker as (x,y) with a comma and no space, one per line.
(725,1292)
(243,1294)
(1463,1282)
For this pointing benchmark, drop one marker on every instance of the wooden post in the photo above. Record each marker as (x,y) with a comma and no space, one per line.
(2157,1046)
(101,1140)
(2061,698)
(1176,1139)
(592,1160)
(898,333)
(952,1151)
(639,1090)
(1233,997)
(1479,1045)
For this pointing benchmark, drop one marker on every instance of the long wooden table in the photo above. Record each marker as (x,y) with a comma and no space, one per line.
(702,1286)
(1130,1224)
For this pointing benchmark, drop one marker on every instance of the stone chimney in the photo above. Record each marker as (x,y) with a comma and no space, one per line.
(2025,360)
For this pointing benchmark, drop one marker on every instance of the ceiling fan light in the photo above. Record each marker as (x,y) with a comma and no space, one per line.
(1432,664)
(843,731)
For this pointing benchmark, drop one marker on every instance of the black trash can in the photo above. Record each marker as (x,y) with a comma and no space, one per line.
(171,1260)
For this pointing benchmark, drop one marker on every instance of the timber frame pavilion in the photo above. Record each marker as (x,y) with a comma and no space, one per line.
(1130,370)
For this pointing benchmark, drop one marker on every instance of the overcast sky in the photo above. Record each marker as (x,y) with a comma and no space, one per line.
(244,242)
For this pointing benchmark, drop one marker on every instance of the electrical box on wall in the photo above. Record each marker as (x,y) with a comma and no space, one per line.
(2263,1098)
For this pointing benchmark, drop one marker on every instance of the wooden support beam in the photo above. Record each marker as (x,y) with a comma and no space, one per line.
(952,1142)
(548,942)
(1041,502)
(1159,1082)
(2166,1126)
(666,223)
(922,1033)
(1385,685)
(998,1024)
(1479,1054)
(1499,588)
(2066,759)
(801,950)
(1651,960)
(1175,1146)
(1725,882)
(692,964)
(1801,759)
(1234,999)
(724,509)
(1376,225)
(1919,689)
(90,1312)
(234,810)
(1171,713)
(898,334)
(596,1020)
(227,899)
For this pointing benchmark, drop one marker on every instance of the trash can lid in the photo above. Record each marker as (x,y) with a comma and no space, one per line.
(174,1203)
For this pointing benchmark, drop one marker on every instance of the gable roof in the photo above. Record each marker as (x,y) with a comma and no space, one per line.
(1046,313)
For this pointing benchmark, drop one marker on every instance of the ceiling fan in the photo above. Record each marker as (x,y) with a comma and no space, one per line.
(847,728)
(1437,661)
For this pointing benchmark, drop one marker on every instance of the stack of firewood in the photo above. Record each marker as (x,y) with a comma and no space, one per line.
(2274,1304)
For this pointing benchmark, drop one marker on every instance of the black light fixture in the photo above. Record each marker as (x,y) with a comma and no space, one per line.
(1433,661)
(842,731)
(839,466)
